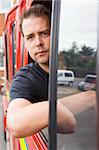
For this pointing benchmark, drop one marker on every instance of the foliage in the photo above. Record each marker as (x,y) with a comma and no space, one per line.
(80,60)
(86,51)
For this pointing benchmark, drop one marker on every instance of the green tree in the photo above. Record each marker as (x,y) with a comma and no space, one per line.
(86,51)
(81,62)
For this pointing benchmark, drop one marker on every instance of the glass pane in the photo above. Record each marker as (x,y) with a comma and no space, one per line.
(76,71)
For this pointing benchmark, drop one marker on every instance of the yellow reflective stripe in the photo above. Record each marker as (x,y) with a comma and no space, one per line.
(23,144)
(8,95)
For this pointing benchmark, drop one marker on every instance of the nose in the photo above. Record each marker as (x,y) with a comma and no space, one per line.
(38,40)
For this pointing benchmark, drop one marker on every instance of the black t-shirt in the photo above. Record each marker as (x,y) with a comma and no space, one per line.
(31,83)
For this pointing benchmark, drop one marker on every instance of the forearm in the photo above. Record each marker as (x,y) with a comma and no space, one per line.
(66,122)
(28,119)
(79,102)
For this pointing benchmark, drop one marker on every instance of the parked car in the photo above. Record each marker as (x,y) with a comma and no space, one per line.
(65,77)
(88,83)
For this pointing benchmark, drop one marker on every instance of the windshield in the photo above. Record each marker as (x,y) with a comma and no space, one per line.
(90,79)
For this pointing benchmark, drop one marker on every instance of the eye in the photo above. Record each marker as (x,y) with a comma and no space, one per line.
(30,37)
(45,34)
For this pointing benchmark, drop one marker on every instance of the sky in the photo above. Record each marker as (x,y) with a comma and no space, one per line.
(5,5)
(78,22)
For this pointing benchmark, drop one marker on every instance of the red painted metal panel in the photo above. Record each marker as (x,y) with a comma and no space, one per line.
(40,143)
(31,143)
(16,144)
(4,105)
(35,142)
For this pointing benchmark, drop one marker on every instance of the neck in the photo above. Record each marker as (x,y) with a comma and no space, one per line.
(45,67)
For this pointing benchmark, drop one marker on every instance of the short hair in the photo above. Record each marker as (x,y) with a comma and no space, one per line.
(46,3)
(37,10)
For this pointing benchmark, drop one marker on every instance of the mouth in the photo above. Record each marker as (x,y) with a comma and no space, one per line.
(41,52)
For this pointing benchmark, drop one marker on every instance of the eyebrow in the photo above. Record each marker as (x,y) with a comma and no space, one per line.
(28,35)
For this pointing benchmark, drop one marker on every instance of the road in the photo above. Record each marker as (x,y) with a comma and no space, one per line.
(65,90)
(85,136)
(2,142)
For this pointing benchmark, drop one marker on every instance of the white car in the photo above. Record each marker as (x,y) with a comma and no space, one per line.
(88,83)
(65,77)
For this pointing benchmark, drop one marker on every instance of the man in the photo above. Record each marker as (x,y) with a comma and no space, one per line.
(28,110)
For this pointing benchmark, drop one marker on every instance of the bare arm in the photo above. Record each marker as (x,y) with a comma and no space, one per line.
(79,102)
(24,118)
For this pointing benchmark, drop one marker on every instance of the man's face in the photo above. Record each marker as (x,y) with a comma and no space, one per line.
(36,32)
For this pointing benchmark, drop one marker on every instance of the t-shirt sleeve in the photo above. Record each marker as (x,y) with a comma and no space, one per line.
(22,87)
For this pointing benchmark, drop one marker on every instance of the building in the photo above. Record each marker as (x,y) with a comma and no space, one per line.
(5,5)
